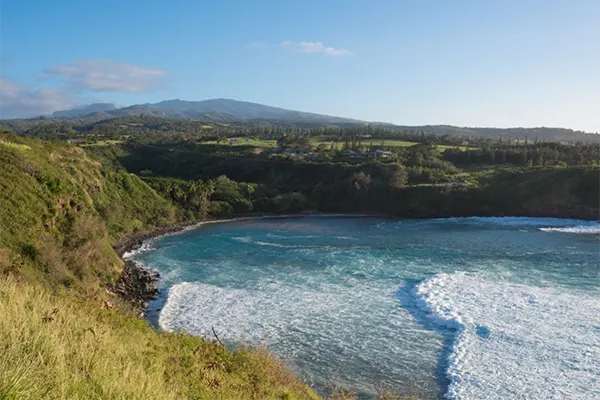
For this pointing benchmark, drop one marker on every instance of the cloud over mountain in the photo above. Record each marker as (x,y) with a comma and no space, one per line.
(24,101)
(105,75)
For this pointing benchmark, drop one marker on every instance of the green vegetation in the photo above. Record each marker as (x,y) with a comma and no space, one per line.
(63,208)
(61,212)
(386,143)
(56,347)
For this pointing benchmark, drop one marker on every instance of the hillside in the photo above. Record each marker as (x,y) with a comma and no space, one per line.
(63,334)
(62,210)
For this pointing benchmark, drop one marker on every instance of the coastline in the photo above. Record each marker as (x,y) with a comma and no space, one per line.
(135,241)
(138,285)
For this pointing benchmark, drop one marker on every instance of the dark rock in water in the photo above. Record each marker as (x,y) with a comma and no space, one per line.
(483,331)
(137,285)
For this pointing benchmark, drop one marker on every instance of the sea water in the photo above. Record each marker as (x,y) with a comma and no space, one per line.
(461,308)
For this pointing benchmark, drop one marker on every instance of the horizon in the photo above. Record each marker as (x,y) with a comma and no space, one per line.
(464,64)
(339,116)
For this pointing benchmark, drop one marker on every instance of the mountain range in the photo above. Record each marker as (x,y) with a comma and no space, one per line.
(216,110)
(227,111)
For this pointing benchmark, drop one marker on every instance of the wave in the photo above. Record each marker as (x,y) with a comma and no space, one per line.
(351,325)
(589,229)
(146,246)
(514,340)
(516,221)
(246,239)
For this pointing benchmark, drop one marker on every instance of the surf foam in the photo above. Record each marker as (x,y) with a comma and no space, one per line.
(589,229)
(515,341)
(353,326)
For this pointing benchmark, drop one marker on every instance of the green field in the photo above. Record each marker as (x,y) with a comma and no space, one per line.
(241,141)
(386,143)
(102,143)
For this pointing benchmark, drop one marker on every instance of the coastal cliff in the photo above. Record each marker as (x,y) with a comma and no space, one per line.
(67,295)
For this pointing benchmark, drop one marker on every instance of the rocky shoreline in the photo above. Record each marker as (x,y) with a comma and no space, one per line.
(138,285)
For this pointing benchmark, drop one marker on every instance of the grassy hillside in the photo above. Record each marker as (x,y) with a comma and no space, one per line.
(60,213)
(56,347)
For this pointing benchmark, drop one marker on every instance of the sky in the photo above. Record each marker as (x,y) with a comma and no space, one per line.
(496,63)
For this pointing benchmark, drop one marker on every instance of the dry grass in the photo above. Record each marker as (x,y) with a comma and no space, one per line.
(53,346)
(18,146)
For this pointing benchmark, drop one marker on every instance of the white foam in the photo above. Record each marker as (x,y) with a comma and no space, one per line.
(517,221)
(515,341)
(589,229)
(248,239)
(353,326)
(146,246)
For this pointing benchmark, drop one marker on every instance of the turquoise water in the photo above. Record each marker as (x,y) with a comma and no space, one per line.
(463,308)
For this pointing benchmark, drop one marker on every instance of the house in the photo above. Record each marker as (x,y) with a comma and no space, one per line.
(379,154)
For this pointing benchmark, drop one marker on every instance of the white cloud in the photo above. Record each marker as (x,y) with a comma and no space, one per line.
(23,101)
(105,75)
(315,48)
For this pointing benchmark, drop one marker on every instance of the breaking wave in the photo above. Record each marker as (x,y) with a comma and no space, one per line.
(516,341)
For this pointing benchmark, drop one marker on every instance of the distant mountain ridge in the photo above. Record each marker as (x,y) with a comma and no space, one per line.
(85,110)
(227,111)
(218,110)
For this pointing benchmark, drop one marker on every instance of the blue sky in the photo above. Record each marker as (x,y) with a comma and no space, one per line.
(467,63)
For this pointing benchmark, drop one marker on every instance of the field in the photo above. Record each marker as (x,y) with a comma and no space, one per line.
(386,143)
(102,143)
(315,141)
(242,141)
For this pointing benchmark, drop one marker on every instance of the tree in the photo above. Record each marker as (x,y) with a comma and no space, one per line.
(399,177)
(361,181)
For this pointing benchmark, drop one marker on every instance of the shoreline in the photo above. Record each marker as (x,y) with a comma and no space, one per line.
(138,285)
(135,241)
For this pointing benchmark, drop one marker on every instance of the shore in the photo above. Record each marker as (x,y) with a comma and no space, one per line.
(138,285)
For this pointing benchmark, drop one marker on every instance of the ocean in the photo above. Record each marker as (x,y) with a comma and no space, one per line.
(458,308)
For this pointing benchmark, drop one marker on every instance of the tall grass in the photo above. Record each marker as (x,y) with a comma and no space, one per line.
(54,346)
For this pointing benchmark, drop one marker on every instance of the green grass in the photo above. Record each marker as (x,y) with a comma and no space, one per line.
(54,346)
(386,143)
(241,141)
(60,212)
(102,143)
(443,147)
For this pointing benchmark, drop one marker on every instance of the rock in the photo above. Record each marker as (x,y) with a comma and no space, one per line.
(137,285)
